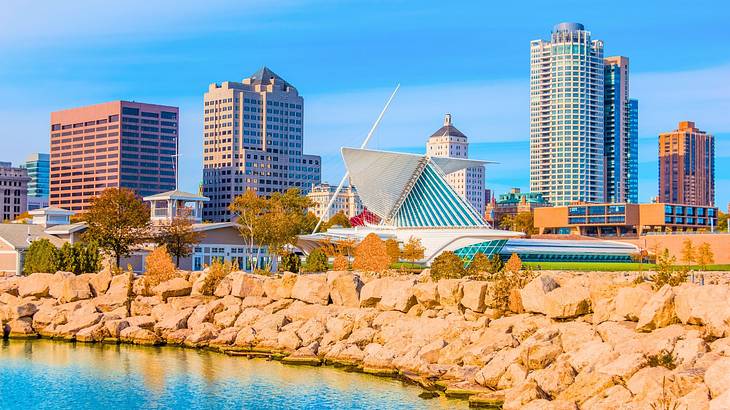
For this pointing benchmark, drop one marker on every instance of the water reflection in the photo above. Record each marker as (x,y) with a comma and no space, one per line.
(59,375)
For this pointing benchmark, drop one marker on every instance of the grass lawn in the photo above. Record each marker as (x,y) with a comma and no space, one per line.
(605,266)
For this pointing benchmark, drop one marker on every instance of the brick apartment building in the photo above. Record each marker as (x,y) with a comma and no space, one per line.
(115,144)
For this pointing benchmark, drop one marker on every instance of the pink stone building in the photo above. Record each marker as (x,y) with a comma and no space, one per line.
(115,144)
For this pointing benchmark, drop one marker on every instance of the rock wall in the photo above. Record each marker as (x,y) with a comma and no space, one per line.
(593,341)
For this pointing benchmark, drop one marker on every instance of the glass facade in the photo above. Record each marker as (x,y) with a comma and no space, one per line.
(39,170)
(488,248)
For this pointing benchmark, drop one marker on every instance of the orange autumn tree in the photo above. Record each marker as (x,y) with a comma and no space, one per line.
(371,255)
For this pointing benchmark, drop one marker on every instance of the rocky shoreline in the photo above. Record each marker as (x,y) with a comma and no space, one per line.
(572,340)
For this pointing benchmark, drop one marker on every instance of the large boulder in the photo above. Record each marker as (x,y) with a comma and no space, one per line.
(21,328)
(489,375)
(75,288)
(35,284)
(533,295)
(567,301)
(717,376)
(172,321)
(631,299)
(280,288)
(244,284)
(449,291)
(118,294)
(398,296)
(473,295)
(205,313)
(140,336)
(312,289)
(344,288)
(100,282)
(658,311)
(372,292)
(427,294)
(704,305)
(540,349)
(173,288)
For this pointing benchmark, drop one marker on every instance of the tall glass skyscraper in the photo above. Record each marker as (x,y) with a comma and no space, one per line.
(583,125)
(621,132)
(567,116)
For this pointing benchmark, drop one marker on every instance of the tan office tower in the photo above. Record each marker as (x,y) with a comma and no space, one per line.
(116,144)
(448,141)
(253,139)
(566,116)
(687,166)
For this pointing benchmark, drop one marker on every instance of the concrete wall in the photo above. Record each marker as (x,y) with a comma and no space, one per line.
(719,243)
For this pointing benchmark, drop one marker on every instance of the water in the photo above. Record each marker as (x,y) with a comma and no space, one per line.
(42,374)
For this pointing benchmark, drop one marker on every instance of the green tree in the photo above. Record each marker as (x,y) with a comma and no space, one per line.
(722,220)
(496,264)
(447,266)
(413,250)
(178,237)
(666,271)
(338,219)
(249,209)
(118,221)
(78,258)
(521,222)
(41,256)
(316,261)
(290,262)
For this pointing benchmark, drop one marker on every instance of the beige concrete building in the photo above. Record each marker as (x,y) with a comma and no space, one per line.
(253,138)
(348,201)
(448,141)
(13,191)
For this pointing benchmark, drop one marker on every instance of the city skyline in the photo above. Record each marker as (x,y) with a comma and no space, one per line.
(491,100)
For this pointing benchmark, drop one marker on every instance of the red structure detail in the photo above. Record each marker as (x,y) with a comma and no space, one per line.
(364,217)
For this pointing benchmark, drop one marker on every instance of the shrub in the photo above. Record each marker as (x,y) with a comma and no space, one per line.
(316,261)
(216,272)
(447,266)
(158,267)
(41,256)
(662,359)
(666,271)
(79,258)
(506,281)
(340,263)
(514,263)
(290,262)
(480,264)
(371,255)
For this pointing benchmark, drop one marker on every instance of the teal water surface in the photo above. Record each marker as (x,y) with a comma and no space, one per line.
(43,374)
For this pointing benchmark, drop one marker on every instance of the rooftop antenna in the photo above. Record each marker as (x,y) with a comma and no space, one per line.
(174,164)
(363,145)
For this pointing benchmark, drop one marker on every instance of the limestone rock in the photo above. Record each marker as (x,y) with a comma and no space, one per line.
(473,294)
(555,378)
(280,288)
(19,328)
(658,311)
(613,397)
(75,288)
(587,384)
(630,300)
(567,301)
(426,294)
(372,292)
(225,337)
(118,294)
(540,349)
(114,327)
(344,288)
(204,313)
(704,305)
(94,333)
(490,374)
(201,334)
(717,377)
(288,340)
(142,305)
(172,288)
(533,294)
(35,284)
(311,331)
(624,366)
(449,292)
(173,321)
(244,284)
(137,335)
(398,295)
(100,282)
(311,288)
(522,394)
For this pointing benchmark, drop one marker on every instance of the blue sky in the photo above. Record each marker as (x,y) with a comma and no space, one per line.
(467,58)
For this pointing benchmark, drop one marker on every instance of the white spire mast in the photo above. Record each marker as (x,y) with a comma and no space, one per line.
(363,145)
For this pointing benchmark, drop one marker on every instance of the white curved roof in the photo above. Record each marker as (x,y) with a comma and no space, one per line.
(384,179)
